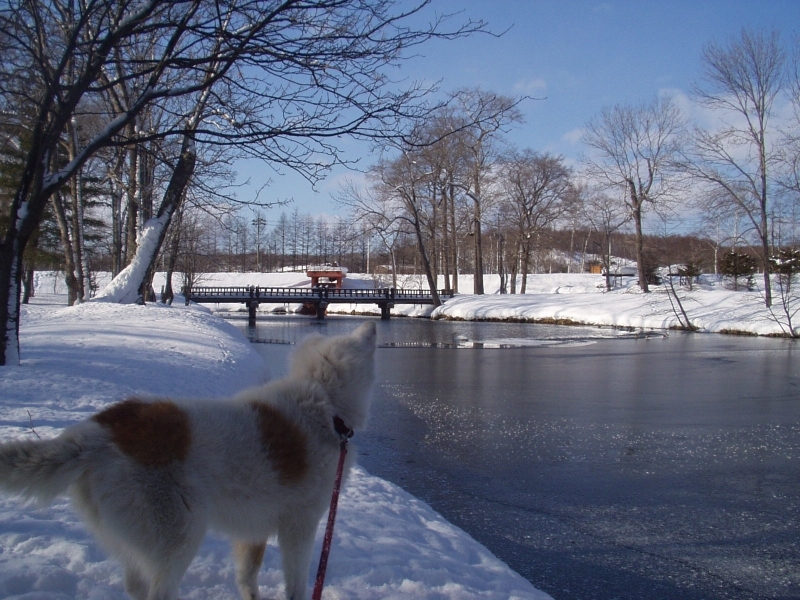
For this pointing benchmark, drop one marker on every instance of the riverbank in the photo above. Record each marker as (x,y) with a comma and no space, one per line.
(577,298)
(77,360)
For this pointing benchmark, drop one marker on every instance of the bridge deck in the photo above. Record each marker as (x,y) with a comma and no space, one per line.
(266,295)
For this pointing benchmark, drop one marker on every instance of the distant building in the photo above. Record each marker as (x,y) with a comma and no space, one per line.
(323,276)
(328,276)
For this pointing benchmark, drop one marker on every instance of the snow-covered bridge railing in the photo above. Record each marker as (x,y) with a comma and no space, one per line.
(319,297)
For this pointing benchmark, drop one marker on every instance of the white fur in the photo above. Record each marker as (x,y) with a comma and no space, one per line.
(154,518)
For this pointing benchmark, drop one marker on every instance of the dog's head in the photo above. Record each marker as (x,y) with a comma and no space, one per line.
(344,366)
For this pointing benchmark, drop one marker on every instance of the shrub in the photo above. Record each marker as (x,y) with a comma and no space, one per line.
(689,272)
(786,264)
(738,264)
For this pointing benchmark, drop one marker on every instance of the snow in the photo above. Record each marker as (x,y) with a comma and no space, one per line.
(124,288)
(75,360)
(582,298)
(579,298)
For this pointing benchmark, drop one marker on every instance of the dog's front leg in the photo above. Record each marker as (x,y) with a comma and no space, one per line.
(248,558)
(296,541)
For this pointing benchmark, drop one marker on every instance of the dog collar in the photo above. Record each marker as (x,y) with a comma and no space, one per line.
(343,430)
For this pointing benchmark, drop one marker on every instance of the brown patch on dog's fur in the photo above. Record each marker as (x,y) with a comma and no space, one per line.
(284,443)
(153,434)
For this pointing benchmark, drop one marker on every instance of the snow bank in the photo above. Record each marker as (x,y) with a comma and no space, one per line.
(124,288)
(579,298)
(709,306)
(387,545)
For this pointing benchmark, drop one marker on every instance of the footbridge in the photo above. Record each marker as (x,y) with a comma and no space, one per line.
(317,298)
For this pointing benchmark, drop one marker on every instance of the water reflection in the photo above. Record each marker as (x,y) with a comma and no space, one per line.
(420,333)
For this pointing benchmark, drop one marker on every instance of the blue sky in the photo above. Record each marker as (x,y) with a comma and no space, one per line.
(576,55)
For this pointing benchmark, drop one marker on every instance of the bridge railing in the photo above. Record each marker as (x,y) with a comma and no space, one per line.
(238,293)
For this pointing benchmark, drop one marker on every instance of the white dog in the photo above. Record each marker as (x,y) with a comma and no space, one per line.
(150,477)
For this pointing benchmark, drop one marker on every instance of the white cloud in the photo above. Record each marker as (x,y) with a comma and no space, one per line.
(573,136)
(531,86)
(342,178)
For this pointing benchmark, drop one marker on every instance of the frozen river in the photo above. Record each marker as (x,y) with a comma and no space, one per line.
(598,464)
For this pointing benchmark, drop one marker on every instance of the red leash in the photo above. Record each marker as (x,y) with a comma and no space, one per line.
(345,433)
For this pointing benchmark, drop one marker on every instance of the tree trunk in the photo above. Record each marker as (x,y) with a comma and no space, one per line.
(394,267)
(637,218)
(423,253)
(27,207)
(176,190)
(764,218)
(501,266)
(445,238)
(515,268)
(526,263)
(478,285)
(10,270)
(765,258)
(131,224)
(73,291)
(454,236)
(571,247)
(168,294)
(117,194)
(27,283)
(426,265)
(78,238)
(26,216)
(636,206)
(434,237)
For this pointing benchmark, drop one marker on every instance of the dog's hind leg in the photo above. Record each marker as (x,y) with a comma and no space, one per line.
(296,541)
(248,558)
(169,563)
(84,496)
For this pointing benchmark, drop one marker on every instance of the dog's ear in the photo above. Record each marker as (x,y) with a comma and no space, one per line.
(366,333)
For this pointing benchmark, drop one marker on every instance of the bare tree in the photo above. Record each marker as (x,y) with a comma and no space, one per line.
(65,51)
(534,193)
(445,163)
(479,119)
(606,215)
(789,155)
(741,81)
(634,149)
(407,181)
(377,212)
(444,155)
(288,77)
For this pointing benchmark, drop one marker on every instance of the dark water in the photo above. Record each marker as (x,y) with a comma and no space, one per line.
(597,464)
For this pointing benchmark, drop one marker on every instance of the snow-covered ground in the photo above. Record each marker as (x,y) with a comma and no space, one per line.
(76,360)
(576,298)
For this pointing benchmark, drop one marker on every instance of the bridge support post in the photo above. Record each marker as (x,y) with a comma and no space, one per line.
(321,307)
(386,308)
(251,312)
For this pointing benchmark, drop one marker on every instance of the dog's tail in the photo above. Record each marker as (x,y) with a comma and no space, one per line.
(41,469)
